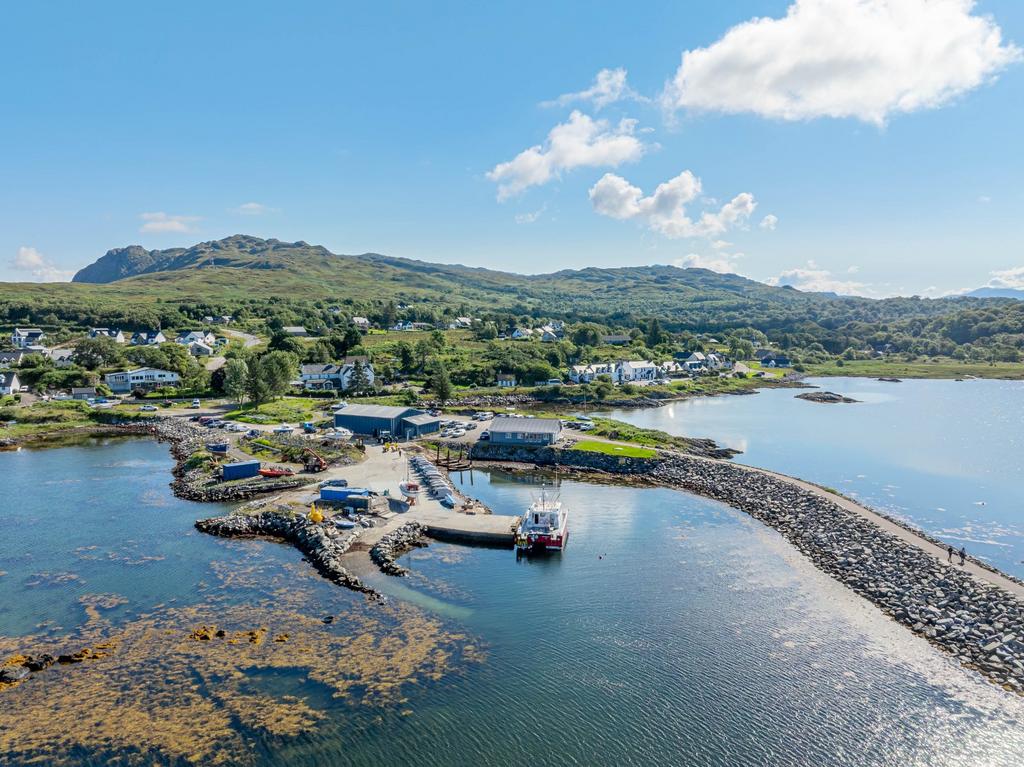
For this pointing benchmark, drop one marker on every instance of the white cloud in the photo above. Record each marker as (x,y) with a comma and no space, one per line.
(253,209)
(866,59)
(162,222)
(1007,278)
(580,142)
(814,279)
(532,216)
(664,211)
(609,86)
(39,266)
(724,263)
(984,199)
(720,244)
(769,222)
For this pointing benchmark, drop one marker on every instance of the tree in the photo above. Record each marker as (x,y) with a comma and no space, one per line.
(359,381)
(406,356)
(236,376)
(586,335)
(441,384)
(92,353)
(655,335)
(277,369)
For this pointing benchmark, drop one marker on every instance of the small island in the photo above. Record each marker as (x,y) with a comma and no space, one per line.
(826,397)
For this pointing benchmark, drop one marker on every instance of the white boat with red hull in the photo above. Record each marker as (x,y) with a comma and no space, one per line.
(544,527)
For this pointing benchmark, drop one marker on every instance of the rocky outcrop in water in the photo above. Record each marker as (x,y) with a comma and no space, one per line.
(322,543)
(825,397)
(390,547)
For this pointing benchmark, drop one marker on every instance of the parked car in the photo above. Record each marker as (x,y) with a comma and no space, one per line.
(23,390)
(195,403)
(149,408)
(484,436)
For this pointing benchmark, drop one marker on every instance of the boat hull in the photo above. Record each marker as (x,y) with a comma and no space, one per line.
(539,542)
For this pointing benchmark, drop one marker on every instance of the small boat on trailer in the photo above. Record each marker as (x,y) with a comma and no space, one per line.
(220,448)
(276,471)
(544,527)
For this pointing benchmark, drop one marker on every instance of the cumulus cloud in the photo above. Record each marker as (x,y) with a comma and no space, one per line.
(162,222)
(664,211)
(724,263)
(253,209)
(812,278)
(865,59)
(1007,278)
(580,142)
(769,222)
(41,268)
(609,86)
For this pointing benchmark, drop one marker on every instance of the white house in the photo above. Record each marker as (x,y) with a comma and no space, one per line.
(403,326)
(148,338)
(297,331)
(22,338)
(361,322)
(199,349)
(196,336)
(520,334)
(588,373)
(695,362)
(114,335)
(11,359)
(140,378)
(462,323)
(550,333)
(9,383)
(506,380)
(62,358)
(637,370)
(337,376)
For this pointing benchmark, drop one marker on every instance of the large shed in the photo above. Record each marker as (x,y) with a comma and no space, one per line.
(524,431)
(401,422)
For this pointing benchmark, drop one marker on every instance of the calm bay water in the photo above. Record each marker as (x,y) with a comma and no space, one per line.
(947,456)
(672,631)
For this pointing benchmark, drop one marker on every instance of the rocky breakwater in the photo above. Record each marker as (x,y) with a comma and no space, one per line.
(394,544)
(979,623)
(322,543)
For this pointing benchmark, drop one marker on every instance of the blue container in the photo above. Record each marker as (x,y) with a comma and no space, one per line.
(241,470)
(342,493)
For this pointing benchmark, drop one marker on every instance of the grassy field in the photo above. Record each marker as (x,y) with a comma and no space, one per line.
(939,368)
(629,451)
(292,410)
(48,419)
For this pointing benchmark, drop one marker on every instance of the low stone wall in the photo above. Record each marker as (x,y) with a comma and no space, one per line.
(322,543)
(390,547)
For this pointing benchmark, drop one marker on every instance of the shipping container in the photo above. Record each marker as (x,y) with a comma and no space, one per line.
(241,470)
(341,493)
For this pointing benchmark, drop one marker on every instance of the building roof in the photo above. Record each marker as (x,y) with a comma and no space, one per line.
(28,331)
(421,420)
(83,390)
(320,368)
(526,425)
(6,378)
(377,411)
(293,329)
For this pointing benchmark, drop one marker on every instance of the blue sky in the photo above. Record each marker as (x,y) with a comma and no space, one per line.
(883,144)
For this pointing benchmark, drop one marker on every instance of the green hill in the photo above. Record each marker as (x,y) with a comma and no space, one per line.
(298,283)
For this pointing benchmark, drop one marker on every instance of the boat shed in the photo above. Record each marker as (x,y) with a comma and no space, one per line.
(525,431)
(402,422)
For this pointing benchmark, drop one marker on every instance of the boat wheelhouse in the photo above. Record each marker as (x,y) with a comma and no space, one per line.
(544,527)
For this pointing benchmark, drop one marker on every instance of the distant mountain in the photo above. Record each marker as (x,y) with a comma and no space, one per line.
(239,250)
(242,270)
(996,293)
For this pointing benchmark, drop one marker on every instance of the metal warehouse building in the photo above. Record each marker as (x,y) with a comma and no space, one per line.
(525,431)
(402,422)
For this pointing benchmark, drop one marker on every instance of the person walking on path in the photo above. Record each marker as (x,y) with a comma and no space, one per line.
(949,554)
(963,555)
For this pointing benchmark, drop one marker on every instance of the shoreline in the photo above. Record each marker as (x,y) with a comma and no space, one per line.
(974,613)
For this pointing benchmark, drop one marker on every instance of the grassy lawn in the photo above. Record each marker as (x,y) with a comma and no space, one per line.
(937,368)
(49,418)
(629,451)
(292,410)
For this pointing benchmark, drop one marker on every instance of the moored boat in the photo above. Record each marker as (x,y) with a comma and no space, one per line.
(544,527)
(276,471)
